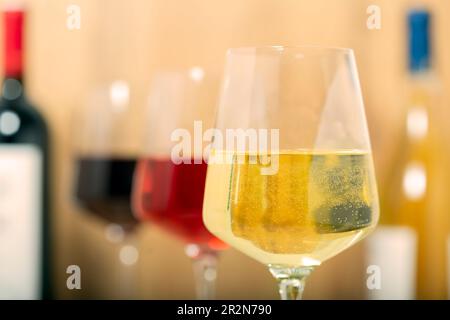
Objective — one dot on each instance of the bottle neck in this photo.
(419, 103)
(419, 46)
(419, 75)
(423, 77)
(12, 87)
(17, 78)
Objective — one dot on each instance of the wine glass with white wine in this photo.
(290, 177)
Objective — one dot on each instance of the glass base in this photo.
(291, 281)
(205, 270)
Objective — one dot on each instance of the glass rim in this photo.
(270, 49)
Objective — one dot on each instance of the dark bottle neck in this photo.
(19, 79)
(12, 88)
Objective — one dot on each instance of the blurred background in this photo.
(132, 40)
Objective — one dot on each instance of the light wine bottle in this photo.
(409, 244)
(24, 205)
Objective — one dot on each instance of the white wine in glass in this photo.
(322, 197)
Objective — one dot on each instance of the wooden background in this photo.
(130, 40)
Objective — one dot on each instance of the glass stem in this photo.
(205, 272)
(128, 277)
(291, 281)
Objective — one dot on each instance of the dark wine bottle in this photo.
(24, 178)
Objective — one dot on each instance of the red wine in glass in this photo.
(171, 196)
(104, 186)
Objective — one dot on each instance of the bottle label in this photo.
(393, 250)
(20, 221)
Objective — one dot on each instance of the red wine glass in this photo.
(170, 179)
(105, 163)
